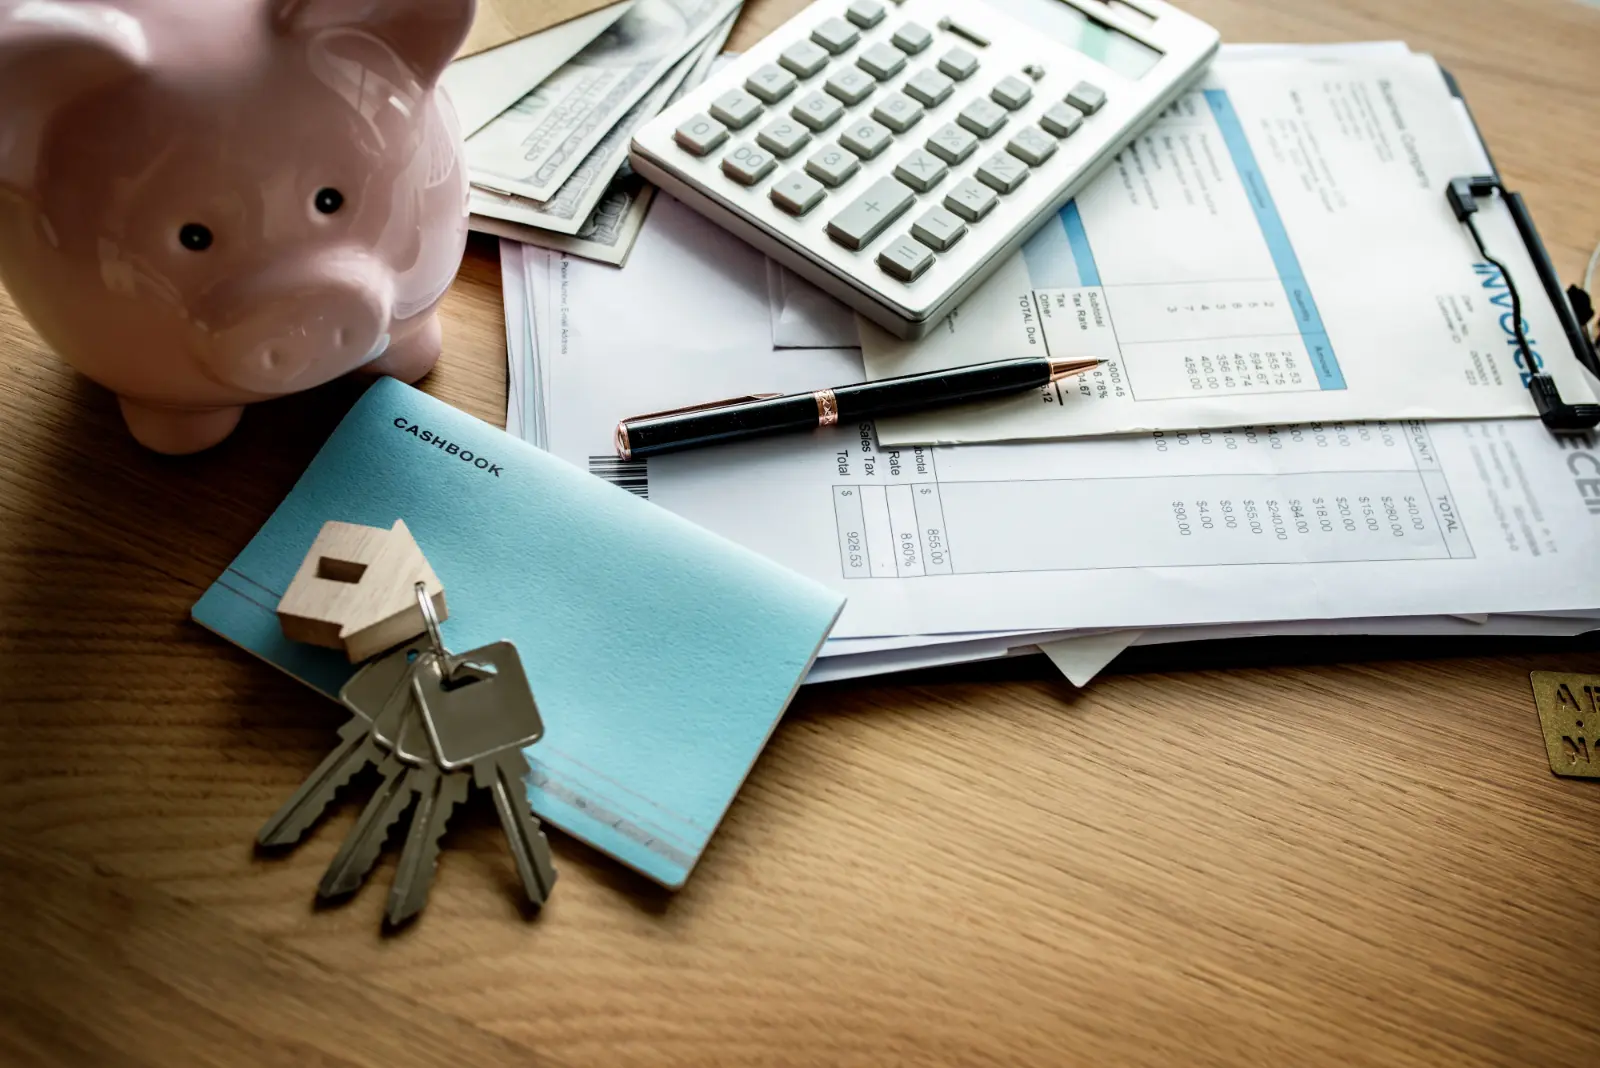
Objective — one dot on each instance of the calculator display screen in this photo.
(1082, 32)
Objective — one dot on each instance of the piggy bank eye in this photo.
(195, 238)
(329, 201)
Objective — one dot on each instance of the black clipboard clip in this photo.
(1556, 414)
(1463, 193)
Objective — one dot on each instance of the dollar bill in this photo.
(607, 236)
(533, 148)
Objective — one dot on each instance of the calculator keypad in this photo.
(869, 85)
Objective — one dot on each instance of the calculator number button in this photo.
(898, 112)
(771, 83)
(817, 111)
(866, 139)
(959, 64)
(938, 229)
(1002, 172)
(736, 108)
(1087, 97)
(921, 170)
(783, 138)
(1031, 145)
(881, 61)
(912, 38)
(864, 219)
(833, 166)
(982, 117)
(836, 35)
(701, 134)
(747, 164)
(803, 59)
(1062, 120)
(906, 259)
(971, 200)
(1012, 93)
(929, 87)
(864, 13)
(849, 84)
(952, 144)
(797, 193)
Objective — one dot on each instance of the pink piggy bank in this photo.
(208, 203)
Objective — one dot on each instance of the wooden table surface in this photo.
(1363, 863)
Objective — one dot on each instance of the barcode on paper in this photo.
(631, 475)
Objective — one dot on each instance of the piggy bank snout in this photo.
(299, 325)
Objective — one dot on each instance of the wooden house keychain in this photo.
(430, 721)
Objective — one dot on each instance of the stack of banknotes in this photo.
(551, 169)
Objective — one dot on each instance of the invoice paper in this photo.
(1333, 520)
(1276, 248)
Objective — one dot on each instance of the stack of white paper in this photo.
(950, 554)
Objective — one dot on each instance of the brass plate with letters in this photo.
(1569, 712)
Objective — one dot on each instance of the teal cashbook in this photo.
(661, 655)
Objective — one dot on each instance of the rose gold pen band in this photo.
(827, 408)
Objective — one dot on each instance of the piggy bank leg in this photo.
(178, 431)
(412, 358)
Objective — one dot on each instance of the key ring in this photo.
(430, 619)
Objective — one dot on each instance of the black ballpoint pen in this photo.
(750, 417)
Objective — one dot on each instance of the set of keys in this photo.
(433, 724)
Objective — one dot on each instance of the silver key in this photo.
(803, 59)
(438, 794)
(983, 117)
(866, 138)
(736, 109)
(797, 193)
(770, 83)
(898, 112)
(1011, 93)
(701, 134)
(1062, 120)
(359, 852)
(912, 38)
(938, 229)
(365, 695)
(783, 138)
(864, 13)
(1031, 145)
(1002, 172)
(905, 259)
(971, 200)
(864, 219)
(850, 84)
(959, 64)
(836, 35)
(485, 725)
(929, 87)
(747, 164)
(356, 750)
(1087, 97)
(952, 144)
(921, 170)
(882, 61)
(833, 166)
(817, 111)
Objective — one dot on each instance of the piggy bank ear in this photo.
(52, 53)
(426, 34)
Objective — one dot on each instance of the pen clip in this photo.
(622, 428)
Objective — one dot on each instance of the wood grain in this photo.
(1361, 863)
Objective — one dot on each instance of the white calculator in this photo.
(894, 152)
